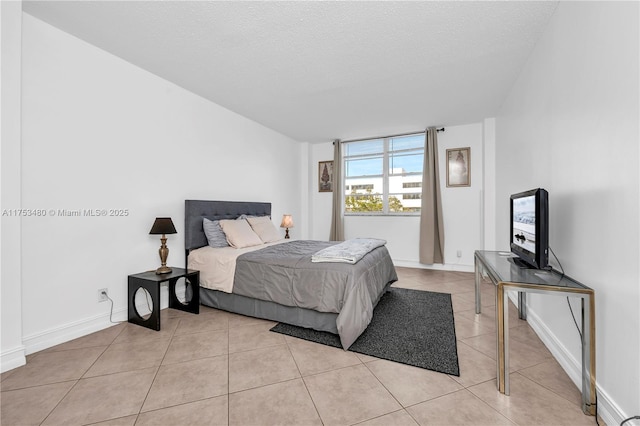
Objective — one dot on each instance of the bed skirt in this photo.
(322, 321)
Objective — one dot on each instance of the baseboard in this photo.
(608, 410)
(64, 333)
(457, 267)
(13, 358)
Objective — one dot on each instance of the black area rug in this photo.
(409, 326)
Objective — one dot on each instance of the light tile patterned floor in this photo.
(218, 368)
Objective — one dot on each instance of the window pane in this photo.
(373, 146)
(363, 167)
(407, 142)
(406, 163)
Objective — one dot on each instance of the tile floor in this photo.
(218, 368)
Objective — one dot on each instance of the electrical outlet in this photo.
(102, 295)
(459, 253)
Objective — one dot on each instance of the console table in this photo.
(506, 275)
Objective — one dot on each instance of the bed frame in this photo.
(195, 211)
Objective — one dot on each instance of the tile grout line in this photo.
(304, 383)
(78, 380)
(155, 376)
(487, 404)
(402, 407)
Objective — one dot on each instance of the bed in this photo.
(279, 282)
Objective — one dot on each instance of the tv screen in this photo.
(529, 227)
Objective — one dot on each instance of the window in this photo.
(364, 187)
(412, 184)
(384, 176)
(411, 196)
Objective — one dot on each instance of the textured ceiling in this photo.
(316, 71)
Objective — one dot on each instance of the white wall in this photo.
(570, 125)
(462, 208)
(302, 223)
(319, 202)
(12, 353)
(100, 133)
(489, 186)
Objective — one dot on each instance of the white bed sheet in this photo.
(217, 266)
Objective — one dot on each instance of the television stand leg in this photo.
(522, 305)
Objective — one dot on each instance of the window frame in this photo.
(385, 176)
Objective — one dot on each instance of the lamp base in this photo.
(164, 253)
(163, 270)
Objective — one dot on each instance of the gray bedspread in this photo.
(284, 274)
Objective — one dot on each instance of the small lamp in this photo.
(287, 222)
(162, 226)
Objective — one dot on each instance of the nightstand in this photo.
(151, 282)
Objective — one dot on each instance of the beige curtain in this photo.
(337, 217)
(431, 223)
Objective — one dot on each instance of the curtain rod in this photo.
(390, 136)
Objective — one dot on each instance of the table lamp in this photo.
(163, 226)
(287, 222)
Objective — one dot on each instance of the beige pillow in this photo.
(239, 233)
(265, 229)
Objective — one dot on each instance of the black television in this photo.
(530, 228)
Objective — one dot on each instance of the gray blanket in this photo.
(284, 274)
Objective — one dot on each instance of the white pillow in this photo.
(239, 233)
(265, 229)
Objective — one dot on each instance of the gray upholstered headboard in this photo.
(196, 210)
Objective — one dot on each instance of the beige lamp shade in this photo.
(287, 221)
